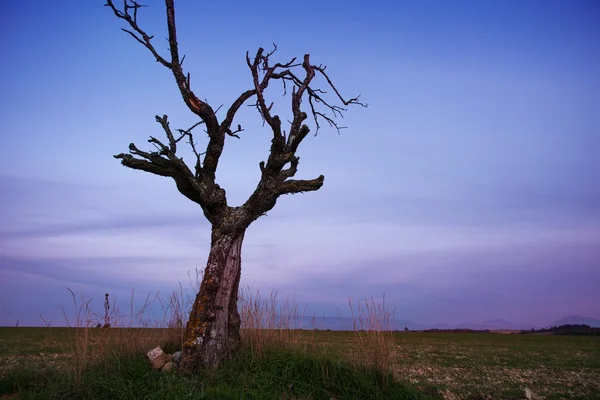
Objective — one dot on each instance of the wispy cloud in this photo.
(469, 187)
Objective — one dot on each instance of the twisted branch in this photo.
(282, 162)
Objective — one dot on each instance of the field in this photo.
(554, 367)
(465, 364)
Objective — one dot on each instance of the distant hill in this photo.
(348, 324)
(494, 324)
(491, 324)
(577, 320)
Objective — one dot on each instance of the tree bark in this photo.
(213, 330)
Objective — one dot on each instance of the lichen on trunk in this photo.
(213, 329)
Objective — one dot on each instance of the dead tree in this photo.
(213, 329)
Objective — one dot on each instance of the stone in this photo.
(159, 361)
(177, 356)
(530, 395)
(169, 367)
(155, 352)
(157, 357)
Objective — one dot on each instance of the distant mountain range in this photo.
(345, 324)
(494, 324)
(577, 320)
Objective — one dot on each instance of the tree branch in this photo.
(165, 162)
(197, 106)
(291, 171)
(274, 178)
(200, 186)
(188, 133)
(154, 167)
(145, 39)
(293, 186)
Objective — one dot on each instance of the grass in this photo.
(276, 362)
(316, 365)
(277, 374)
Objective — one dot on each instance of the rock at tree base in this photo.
(177, 356)
(168, 367)
(157, 357)
(159, 361)
(162, 361)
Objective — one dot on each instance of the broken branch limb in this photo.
(145, 39)
(293, 186)
(197, 106)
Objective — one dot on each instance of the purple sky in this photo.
(468, 190)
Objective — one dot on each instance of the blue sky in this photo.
(468, 190)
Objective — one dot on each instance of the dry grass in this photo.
(373, 337)
(93, 337)
(503, 365)
(267, 323)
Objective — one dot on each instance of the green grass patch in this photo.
(275, 375)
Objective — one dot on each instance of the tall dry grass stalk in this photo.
(175, 315)
(266, 323)
(269, 323)
(374, 343)
(80, 338)
(91, 339)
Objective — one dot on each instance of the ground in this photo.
(555, 367)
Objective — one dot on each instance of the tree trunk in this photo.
(213, 329)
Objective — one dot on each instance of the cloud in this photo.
(519, 282)
(427, 251)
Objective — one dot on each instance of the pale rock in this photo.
(168, 367)
(155, 352)
(157, 357)
(530, 395)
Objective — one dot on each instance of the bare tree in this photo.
(214, 323)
